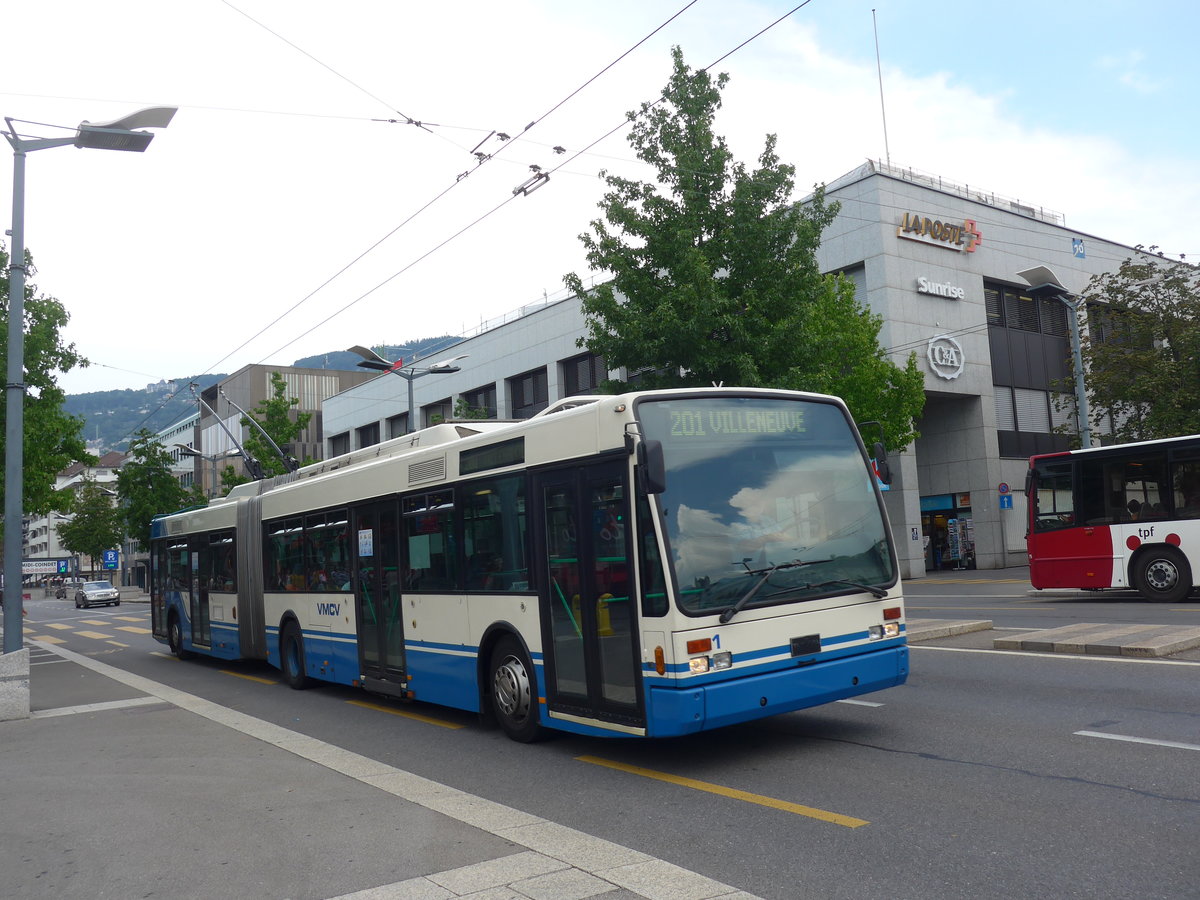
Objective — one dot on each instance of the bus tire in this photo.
(291, 657)
(512, 686)
(1162, 573)
(175, 637)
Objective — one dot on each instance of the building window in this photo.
(1020, 311)
(481, 399)
(339, 444)
(368, 435)
(583, 374)
(995, 307)
(528, 393)
(1033, 410)
(1054, 316)
(436, 413)
(1006, 418)
(397, 426)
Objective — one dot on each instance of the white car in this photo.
(97, 592)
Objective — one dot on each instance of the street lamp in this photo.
(1045, 283)
(214, 459)
(410, 373)
(118, 134)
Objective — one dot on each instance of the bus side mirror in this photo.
(882, 469)
(652, 470)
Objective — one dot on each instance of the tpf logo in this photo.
(945, 357)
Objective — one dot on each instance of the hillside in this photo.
(110, 418)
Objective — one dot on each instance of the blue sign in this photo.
(111, 558)
(1077, 248)
(1006, 501)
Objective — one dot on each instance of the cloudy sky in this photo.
(291, 209)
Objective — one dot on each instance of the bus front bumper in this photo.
(686, 710)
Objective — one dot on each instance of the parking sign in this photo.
(111, 558)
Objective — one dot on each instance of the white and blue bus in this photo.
(655, 563)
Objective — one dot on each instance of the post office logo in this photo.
(964, 236)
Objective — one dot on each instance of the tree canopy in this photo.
(147, 487)
(714, 277)
(52, 437)
(275, 416)
(95, 524)
(1142, 351)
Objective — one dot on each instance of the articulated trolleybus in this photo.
(1125, 516)
(654, 564)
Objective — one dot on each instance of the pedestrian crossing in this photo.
(92, 629)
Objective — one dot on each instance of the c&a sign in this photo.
(963, 236)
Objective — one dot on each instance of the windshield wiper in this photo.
(878, 593)
(732, 611)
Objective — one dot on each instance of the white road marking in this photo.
(1073, 657)
(1139, 740)
(93, 707)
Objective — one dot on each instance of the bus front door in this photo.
(589, 633)
(377, 598)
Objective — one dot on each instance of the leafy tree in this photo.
(275, 416)
(714, 272)
(1142, 353)
(52, 437)
(96, 524)
(464, 410)
(147, 487)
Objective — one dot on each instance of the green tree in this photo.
(147, 487)
(714, 277)
(1142, 353)
(275, 415)
(95, 525)
(52, 437)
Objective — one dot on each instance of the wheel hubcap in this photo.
(511, 687)
(1161, 575)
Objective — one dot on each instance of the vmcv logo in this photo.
(329, 609)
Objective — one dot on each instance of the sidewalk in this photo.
(119, 786)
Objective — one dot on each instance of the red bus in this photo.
(1125, 516)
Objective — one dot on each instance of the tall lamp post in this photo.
(410, 373)
(1045, 283)
(118, 134)
(185, 450)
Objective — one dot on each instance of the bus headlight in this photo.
(698, 664)
(722, 660)
(886, 630)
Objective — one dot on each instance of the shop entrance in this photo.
(948, 532)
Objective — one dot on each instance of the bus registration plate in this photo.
(804, 646)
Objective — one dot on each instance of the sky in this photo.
(295, 207)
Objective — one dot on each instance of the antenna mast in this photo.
(882, 108)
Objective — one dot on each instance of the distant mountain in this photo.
(110, 418)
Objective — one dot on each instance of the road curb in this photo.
(918, 630)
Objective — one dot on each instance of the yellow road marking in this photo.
(96, 635)
(95, 621)
(47, 639)
(133, 629)
(131, 618)
(59, 625)
(783, 805)
(119, 644)
(254, 678)
(429, 720)
(164, 655)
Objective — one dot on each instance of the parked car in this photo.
(67, 589)
(97, 592)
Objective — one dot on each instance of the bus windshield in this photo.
(766, 494)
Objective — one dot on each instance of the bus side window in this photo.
(1185, 487)
(1054, 508)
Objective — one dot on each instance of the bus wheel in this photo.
(291, 652)
(513, 691)
(1162, 573)
(175, 638)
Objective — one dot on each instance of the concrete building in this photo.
(247, 387)
(941, 263)
(41, 532)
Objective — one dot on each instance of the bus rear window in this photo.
(1053, 504)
